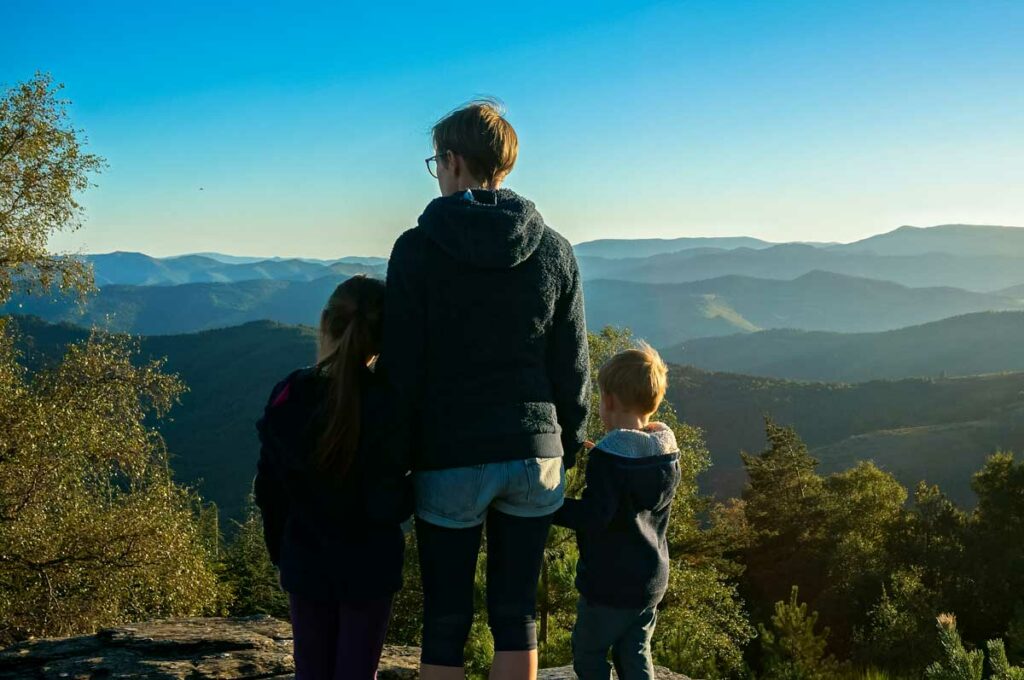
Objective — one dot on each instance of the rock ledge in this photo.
(193, 649)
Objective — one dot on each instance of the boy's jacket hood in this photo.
(647, 463)
(495, 230)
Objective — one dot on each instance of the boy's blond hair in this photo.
(480, 134)
(636, 377)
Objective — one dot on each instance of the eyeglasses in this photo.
(432, 163)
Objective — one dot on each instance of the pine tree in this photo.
(958, 663)
(1001, 668)
(251, 575)
(792, 649)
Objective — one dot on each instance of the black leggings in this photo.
(515, 553)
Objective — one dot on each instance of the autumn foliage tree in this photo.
(93, 530)
(42, 168)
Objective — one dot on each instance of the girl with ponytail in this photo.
(331, 515)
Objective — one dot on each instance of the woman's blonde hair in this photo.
(480, 134)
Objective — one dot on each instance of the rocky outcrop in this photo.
(193, 649)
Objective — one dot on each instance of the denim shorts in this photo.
(457, 498)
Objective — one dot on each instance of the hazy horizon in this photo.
(334, 256)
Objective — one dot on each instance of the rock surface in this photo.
(196, 649)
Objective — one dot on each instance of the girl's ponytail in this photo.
(352, 320)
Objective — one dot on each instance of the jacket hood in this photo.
(648, 463)
(493, 229)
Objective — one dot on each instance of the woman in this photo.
(485, 350)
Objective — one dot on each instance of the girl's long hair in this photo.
(352, 319)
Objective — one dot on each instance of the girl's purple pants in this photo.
(335, 640)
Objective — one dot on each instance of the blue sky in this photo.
(306, 123)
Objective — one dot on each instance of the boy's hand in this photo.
(589, 445)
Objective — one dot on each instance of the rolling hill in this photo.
(666, 313)
(985, 342)
(935, 429)
(211, 434)
(788, 261)
(939, 430)
(187, 308)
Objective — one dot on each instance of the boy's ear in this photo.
(609, 401)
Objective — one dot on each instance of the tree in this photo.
(249, 573)
(898, 634)
(1001, 668)
(957, 662)
(42, 166)
(995, 531)
(785, 508)
(863, 506)
(93, 530)
(791, 647)
(702, 626)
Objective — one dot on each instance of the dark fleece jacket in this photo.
(333, 539)
(485, 342)
(621, 521)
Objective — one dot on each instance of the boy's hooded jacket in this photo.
(332, 539)
(621, 520)
(485, 340)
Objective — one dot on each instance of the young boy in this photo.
(621, 521)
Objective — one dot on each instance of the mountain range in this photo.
(972, 272)
(614, 248)
(664, 314)
(952, 239)
(137, 269)
(975, 257)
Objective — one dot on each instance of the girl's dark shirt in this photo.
(333, 538)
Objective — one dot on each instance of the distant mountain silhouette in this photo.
(245, 259)
(952, 239)
(187, 308)
(986, 342)
(975, 272)
(1015, 292)
(645, 247)
(137, 269)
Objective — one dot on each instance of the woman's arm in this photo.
(569, 364)
(404, 348)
